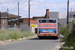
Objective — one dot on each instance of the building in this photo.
(61, 16)
(8, 19)
(24, 20)
(72, 16)
(34, 22)
(38, 17)
(3, 20)
(49, 15)
(13, 19)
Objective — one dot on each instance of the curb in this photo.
(58, 46)
(13, 40)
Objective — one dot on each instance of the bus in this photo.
(47, 28)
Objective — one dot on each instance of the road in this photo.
(32, 44)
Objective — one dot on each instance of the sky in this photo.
(37, 7)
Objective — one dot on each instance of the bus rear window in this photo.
(47, 21)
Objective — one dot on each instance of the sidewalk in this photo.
(13, 40)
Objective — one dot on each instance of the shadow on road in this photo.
(51, 38)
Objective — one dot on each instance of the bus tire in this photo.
(40, 37)
(57, 37)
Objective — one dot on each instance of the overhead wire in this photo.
(13, 7)
(23, 2)
(14, 10)
(50, 2)
(23, 6)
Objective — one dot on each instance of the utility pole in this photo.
(29, 16)
(8, 19)
(7, 13)
(67, 12)
(0, 19)
(71, 9)
(18, 14)
(29, 11)
(71, 14)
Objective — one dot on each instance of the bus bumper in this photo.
(47, 34)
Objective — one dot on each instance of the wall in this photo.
(33, 28)
(4, 25)
(24, 27)
(63, 21)
(62, 16)
(26, 20)
(53, 15)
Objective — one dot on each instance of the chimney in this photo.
(47, 13)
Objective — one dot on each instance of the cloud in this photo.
(38, 8)
(2, 1)
(72, 5)
(41, 0)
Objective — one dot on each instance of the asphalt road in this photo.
(32, 44)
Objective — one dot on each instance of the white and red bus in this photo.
(47, 28)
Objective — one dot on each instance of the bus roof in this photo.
(48, 19)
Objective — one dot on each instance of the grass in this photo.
(65, 32)
(13, 34)
(69, 37)
(70, 42)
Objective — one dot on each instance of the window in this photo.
(74, 16)
(4, 21)
(35, 30)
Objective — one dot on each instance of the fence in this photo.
(13, 32)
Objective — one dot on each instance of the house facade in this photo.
(13, 19)
(7, 19)
(3, 20)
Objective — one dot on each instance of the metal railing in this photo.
(13, 32)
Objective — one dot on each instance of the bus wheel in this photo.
(57, 37)
(39, 37)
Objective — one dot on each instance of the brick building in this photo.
(7, 19)
(34, 20)
(23, 20)
(3, 20)
(13, 19)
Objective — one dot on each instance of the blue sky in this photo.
(38, 7)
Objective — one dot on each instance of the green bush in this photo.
(69, 38)
(65, 32)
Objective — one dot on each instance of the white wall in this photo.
(62, 15)
(33, 28)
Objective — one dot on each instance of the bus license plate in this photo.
(47, 35)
